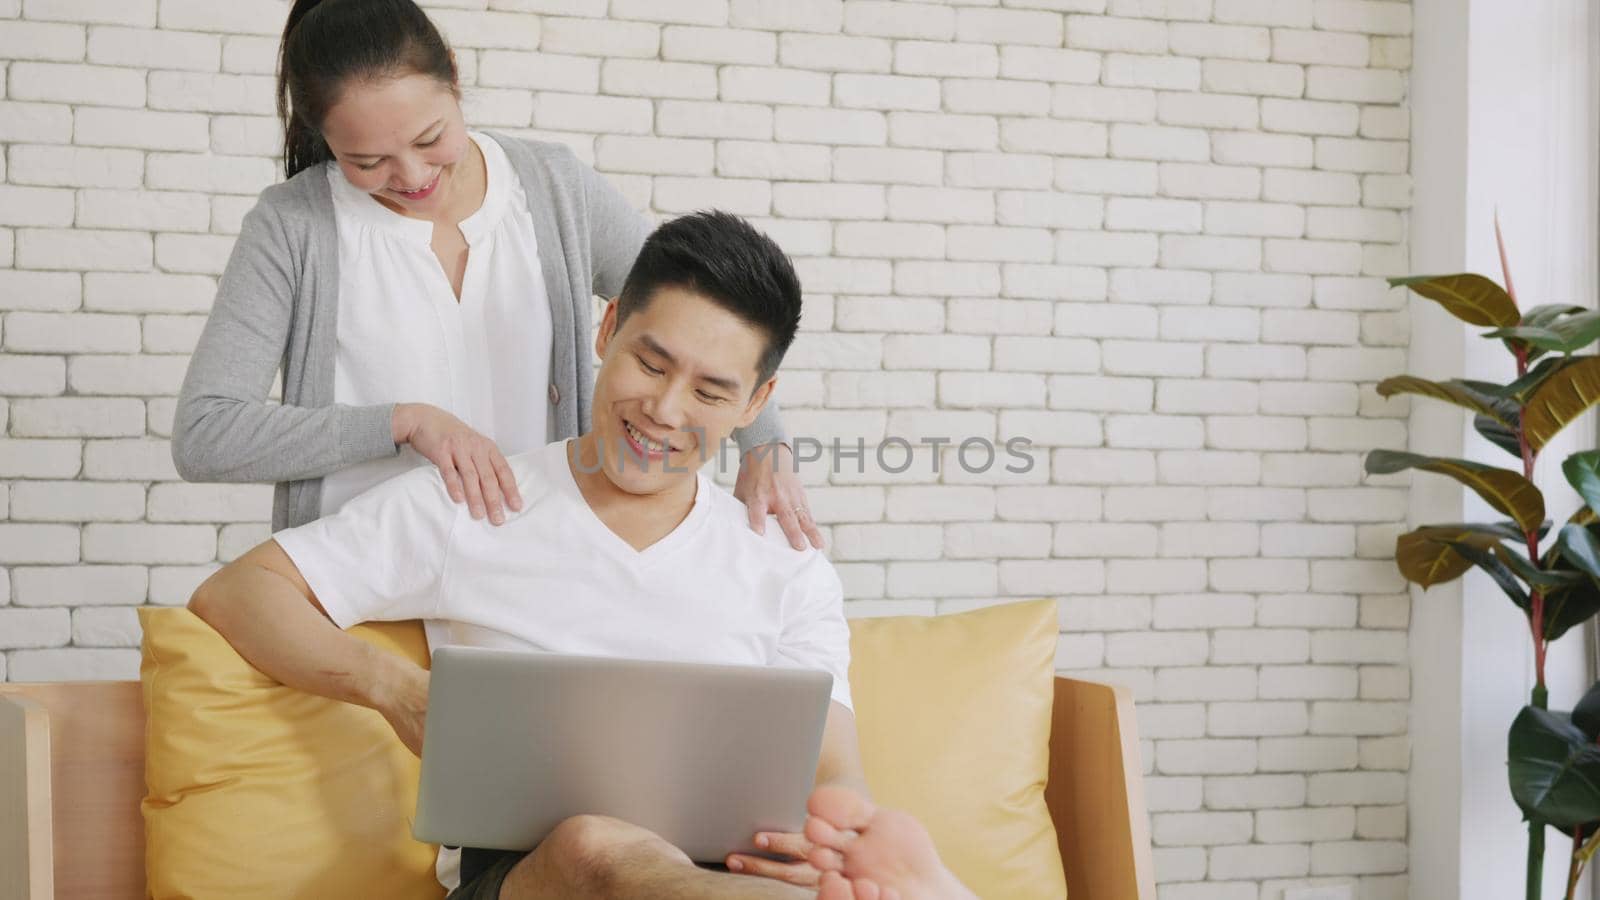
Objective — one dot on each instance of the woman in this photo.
(425, 290)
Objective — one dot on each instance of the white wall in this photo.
(1148, 234)
(1505, 118)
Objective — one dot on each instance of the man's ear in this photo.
(607, 330)
(758, 402)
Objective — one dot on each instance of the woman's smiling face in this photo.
(401, 140)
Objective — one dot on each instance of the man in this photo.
(622, 548)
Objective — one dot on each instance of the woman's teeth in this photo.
(637, 435)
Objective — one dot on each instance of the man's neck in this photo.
(639, 519)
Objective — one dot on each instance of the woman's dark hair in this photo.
(327, 42)
(726, 260)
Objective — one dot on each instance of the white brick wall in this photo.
(1148, 235)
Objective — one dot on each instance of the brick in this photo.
(74, 664)
(952, 60)
(154, 49)
(1156, 577)
(896, 20)
(1108, 176)
(1254, 149)
(1166, 794)
(1165, 73)
(700, 12)
(1261, 645)
(888, 314)
(33, 628)
(650, 78)
(998, 97)
(1259, 575)
(1104, 539)
(1154, 504)
(41, 123)
(940, 131)
(1049, 64)
(949, 279)
(41, 41)
(890, 240)
(40, 207)
(43, 544)
(1211, 41)
(1111, 467)
(1358, 788)
(1021, 578)
(830, 126)
(211, 93)
(75, 166)
(1304, 682)
(1107, 104)
(1033, 503)
(79, 585)
(1379, 822)
(1154, 431)
(21, 458)
(1290, 13)
(1256, 719)
(1208, 182)
(76, 83)
(738, 196)
(835, 53)
(1201, 829)
(888, 542)
(996, 541)
(888, 165)
(149, 543)
(76, 501)
(1207, 396)
(1203, 757)
(1352, 84)
(788, 15)
(1255, 504)
(1308, 611)
(257, 54)
(106, 627)
(1259, 861)
(1227, 76)
(1008, 26)
(942, 579)
(133, 12)
(1189, 539)
(1204, 610)
(1116, 34)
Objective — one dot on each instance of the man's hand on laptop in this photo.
(401, 695)
(794, 846)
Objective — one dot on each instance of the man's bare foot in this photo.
(865, 853)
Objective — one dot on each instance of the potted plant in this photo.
(1551, 574)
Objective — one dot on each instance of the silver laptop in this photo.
(703, 755)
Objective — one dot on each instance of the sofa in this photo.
(73, 778)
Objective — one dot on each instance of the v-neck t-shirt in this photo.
(555, 578)
(403, 337)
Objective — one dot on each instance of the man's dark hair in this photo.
(726, 260)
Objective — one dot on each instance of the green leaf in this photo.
(1560, 336)
(1427, 556)
(1553, 768)
(1473, 299)
(1499, 435)
(1560, 399)
(1546, 313)
(1544, 580)
(1520, 390)
(1586, 715)
(1503, 489)
(1566, 608)
(1465, 394)
(1583, 473)
(1495, 569)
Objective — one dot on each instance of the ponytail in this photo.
(327, 42)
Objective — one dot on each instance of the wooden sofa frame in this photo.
(72, 776)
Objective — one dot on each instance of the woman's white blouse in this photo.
(404, 338)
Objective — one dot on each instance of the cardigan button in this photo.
(555, 396)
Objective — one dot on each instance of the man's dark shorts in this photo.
(484, 871)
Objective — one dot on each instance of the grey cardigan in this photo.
(277, 305)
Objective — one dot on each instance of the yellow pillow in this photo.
(256, 790)
(954, 716)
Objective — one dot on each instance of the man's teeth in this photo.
(644, 442)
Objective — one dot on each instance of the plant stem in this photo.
(1529, 457)
(1576, 866)
(1540, 699)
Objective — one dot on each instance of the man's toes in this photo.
(821, 832)
(824, 860)
(843, 808)
(834, 886)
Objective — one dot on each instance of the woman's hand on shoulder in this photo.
(475, 471)
(769, 484)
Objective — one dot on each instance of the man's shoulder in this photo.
(771, 548)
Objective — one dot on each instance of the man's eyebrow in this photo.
(728, 384)
(380, 155)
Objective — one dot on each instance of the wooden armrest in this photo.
(1096, 793)
(26, 860)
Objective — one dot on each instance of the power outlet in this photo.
(1321, 892)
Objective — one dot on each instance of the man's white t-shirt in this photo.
(555, 578)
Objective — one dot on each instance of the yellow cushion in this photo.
(261, 791)
(954, 716)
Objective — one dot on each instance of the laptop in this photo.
(703, 755)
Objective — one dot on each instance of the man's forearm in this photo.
(278, 630)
